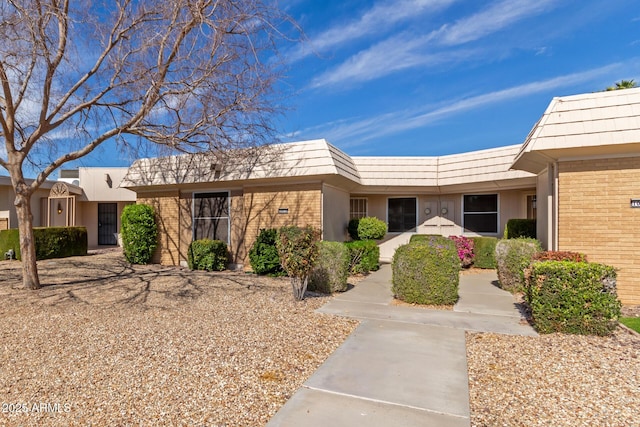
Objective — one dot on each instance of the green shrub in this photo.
(367, 228)
(352, 228)
(139, 233)
(484, 252)
(426, 272)
(371, 228)
(263, 255)
(513, 256)
(364, 256)
(298, 252)
(207, 254)
(331, 271)
(573, 297)
(428, 238)
(50, 242)
(520, 228)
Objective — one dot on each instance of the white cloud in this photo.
(350, 134)
(494, 18)
(380, 17)
(408, 51)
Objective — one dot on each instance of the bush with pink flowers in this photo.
(464, 246)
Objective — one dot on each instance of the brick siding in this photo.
(595, 216)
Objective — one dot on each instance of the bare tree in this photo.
(192, 75)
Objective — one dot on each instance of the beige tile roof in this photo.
(583, 125)
(318, 158)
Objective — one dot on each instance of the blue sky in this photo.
(434, 77)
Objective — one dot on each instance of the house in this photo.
(89, 197)
(313, 182)
(577, 173)
(585, 152)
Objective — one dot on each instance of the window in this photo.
(211, 216)
(401, 214)
(357, 208)
(531, 206)
(480, 213)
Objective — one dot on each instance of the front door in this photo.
(107, 223)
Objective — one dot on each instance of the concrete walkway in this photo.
(403, 365)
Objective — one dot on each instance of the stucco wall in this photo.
(335, 213)
(595, 216)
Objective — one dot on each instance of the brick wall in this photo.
(167, 207)
(595, 217)
(251, 210)
(261, 206)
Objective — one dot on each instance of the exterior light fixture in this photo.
(427, 211)
(444, 211)
(59, 208)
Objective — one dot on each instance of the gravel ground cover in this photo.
(554, 380)
(106, 343)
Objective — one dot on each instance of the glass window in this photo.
(211, 216)
(357, 208)
(402, 214)
(480, 213)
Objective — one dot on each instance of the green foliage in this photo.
(298, 252)
(263, 255)
(426, 272)
(139, 233)
(513, 256)
(352, 228)
(573, 297)
(517, 228)
(10, 239)
(367, 228)
(631, 322)
(371, 228)
(331, 271)
(50, 242)
(484, 252)
(428, 238)
(207, 254)
(364, 256)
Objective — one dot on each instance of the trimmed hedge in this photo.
(513, 256)
(426, 272)
(367, 228)
(364, 256)
(484, 252)
(50, 242)
(560, 256)
(139, 233)
(207, 254)
(436, 238)
(573, 297)
(520, 228)
(263, 255)
(331, 271)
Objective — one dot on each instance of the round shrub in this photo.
(207, 254)
(513, 256)
(263, 255)
(426, 272)
(331, 271)
(371, 228)
(139, 233)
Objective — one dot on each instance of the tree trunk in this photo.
(30, 278)
(299, 285)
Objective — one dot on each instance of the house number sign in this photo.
(635, 203)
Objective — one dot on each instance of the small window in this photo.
(401, 214)
(211, 216)
(357, 208)
(480, 213)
